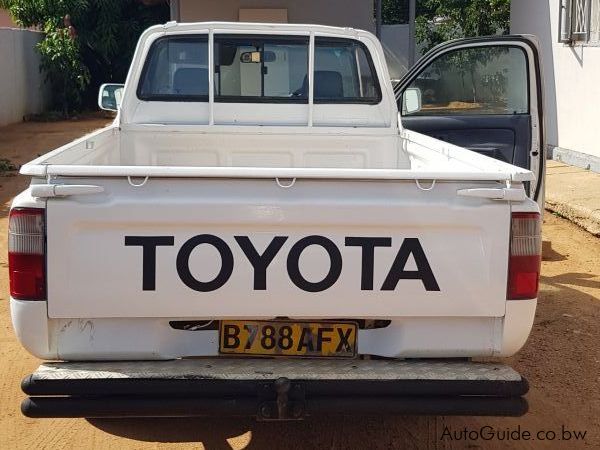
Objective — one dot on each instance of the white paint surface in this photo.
(97, 309)
(572, 74)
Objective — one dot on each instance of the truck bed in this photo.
(283, 152)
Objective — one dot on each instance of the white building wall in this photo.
(344, 13)
(22, 89)
(572, 83)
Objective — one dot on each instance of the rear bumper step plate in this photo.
(272, 389)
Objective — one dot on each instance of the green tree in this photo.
(394, 11)
(87, 42)
(61, 62)
(442, 20)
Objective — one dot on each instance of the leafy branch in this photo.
(441, 20)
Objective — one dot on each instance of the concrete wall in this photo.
(5, 19)
(345, 13)
(22, 89)
(572, 82)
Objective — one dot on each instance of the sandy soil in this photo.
(561, 361)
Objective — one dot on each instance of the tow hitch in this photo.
(289, 403)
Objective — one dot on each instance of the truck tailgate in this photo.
(232, 248)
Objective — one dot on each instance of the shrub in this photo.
(61, 62)
(93, 46)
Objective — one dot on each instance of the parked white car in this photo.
(267, 228)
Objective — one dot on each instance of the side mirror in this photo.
(110, 96)
(411, 101)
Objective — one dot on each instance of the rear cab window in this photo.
(176, 69)
(259, 69)
(344, 73)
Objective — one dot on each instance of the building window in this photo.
(595, 21)
(580, 21)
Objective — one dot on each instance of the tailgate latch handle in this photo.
(64, 190)
(506, 194)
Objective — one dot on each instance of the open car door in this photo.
(484, 94)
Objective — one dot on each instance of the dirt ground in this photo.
(561, 361)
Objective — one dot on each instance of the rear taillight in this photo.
(525, 256)
(26, 254)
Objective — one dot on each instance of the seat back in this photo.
(191, 81)
(328, 84)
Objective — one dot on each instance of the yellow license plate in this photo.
(283, 338)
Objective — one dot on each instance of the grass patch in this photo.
(557, 214)
(6, 167)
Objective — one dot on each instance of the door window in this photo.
(476, 80)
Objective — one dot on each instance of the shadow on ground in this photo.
(317, 432)
(549, 254)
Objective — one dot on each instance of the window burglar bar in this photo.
(580, 21)
(595, 21)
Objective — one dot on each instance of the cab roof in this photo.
(253, 27)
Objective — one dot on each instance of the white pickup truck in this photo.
(270, 228)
